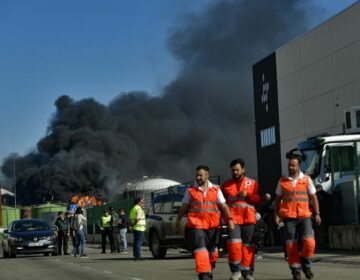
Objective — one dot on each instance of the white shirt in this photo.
(311, 187)
(220, 197)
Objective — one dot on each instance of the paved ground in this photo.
(177, 266)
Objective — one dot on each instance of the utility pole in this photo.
(14, 181)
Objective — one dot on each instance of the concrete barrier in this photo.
(345, 237)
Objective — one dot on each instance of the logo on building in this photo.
(265, 93)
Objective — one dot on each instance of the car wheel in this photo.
(11, 253)
(54, 253)
(46, 254)
(157, 251)
(5, 253)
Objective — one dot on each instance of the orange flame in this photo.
(86, 201)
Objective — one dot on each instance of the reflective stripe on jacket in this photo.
(242, 209)
(105, 221)
(141, 224)
(295, 199)
(203, 209)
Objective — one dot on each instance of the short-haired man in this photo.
(203, 200)
(292, 207)
(241, 193)
(138, 226)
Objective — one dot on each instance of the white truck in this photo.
(333, 162)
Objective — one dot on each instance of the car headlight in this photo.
(14, 238)
(52, 237)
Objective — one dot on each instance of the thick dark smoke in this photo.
(205, 116)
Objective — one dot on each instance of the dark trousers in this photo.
(138, 240)
(63, 241)
(106, 232)
(116, 238)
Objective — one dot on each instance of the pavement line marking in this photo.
(108, 272)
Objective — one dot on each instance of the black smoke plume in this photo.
(205, 116)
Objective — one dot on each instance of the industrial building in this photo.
(306, 88)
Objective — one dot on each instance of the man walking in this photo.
(292, 207)
(241, 193)
(138, 226)
(203, 201)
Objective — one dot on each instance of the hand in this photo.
(231, 225)
(277, 220)
(318, 219)
(243, 194)
(177, 227)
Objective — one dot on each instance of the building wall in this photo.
(318, 78)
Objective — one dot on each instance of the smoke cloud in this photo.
(205, 116)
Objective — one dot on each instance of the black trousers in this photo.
(63, 241)
(116, 237)
(106, 232)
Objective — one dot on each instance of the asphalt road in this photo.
(176, 266)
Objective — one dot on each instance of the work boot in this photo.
(307, 271)
(236, 275)
(205, 276)
(246, 274)
(296, 274)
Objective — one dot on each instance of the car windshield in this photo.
(310, 165)
(29, 226)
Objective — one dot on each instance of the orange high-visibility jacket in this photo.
(203, 210)
(242, 209)
(295, 199)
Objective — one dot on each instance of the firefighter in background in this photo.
(202, 201)
(241, 193)
(292, 207)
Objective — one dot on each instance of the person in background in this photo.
(325, 207)
(105, 228)
(138, 226)
(71, 217)
(114, 222)
(78, 224)
(266, 210)
(123, 226)
(63, 232)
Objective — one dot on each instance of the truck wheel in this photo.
(5, 253)
(11, 253)
(157, 251)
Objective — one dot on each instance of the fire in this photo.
(86, 201)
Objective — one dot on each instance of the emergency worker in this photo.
(241, 193)
(292, 207)
(203, 201)
(138, 226)
(105, 227)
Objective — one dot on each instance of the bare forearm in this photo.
(226, 210)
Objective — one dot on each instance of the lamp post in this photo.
(14, 182)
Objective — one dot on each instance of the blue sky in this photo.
(84, 48)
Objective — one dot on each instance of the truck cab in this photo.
(333, 163)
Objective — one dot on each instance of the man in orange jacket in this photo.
(292, 207)
(202, 201)
(241, 193)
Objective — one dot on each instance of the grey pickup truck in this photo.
(161, 219)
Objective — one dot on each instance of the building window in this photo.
(267, 136)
